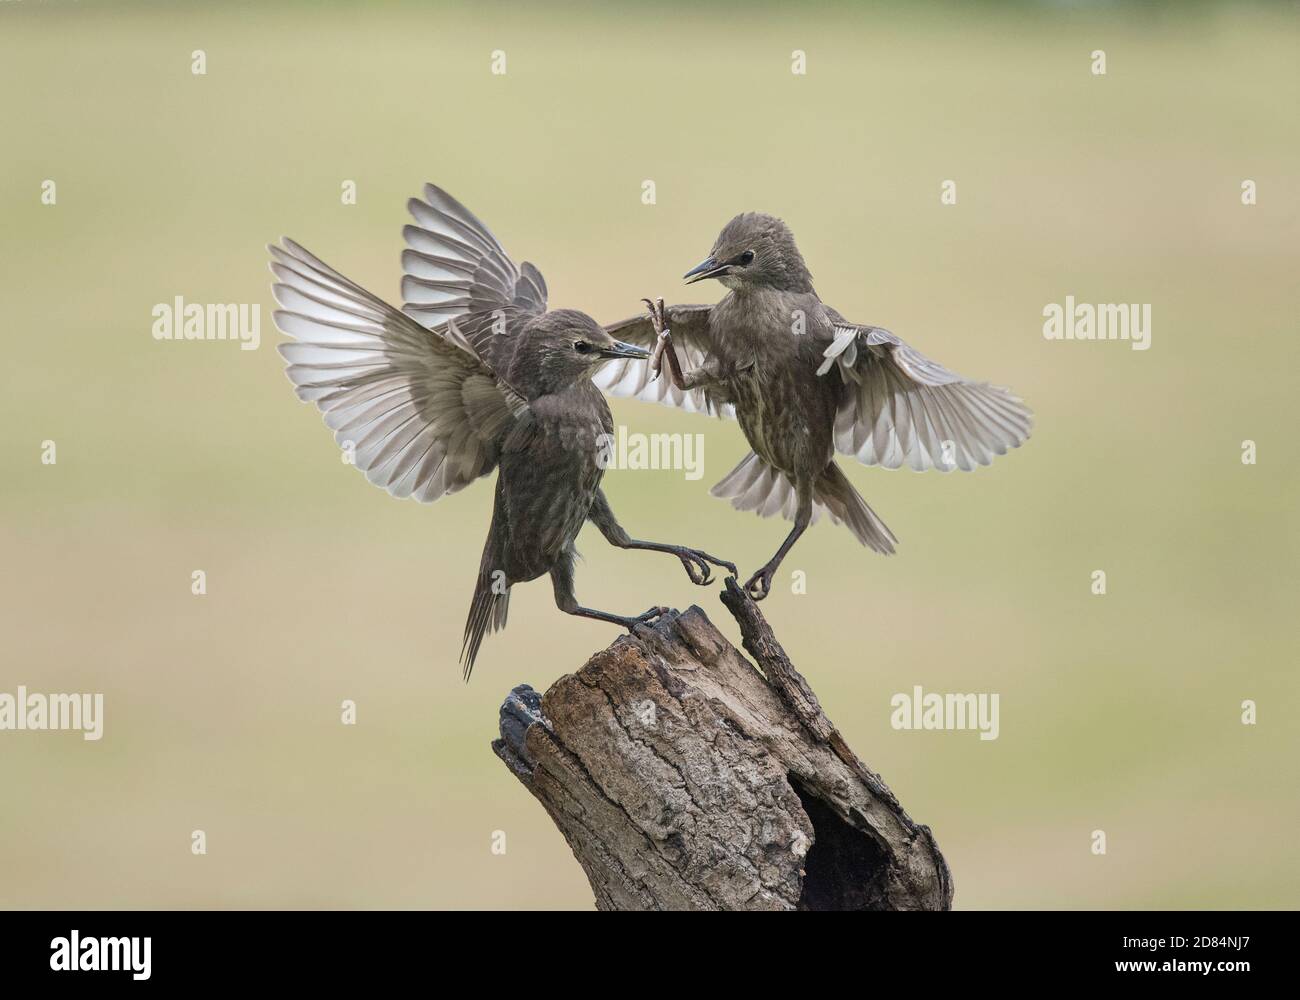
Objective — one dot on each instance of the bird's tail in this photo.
(845, 504)
(755, 485)
(487, 613)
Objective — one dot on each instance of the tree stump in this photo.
(684, 778)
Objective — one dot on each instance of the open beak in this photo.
(707, 268)
(618, 349)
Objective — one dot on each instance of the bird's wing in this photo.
(455, 271)
(423, 414)
(901, 407)
(689, 326)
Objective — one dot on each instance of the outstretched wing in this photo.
(455, 270)
(689, 326)
(899, 406)
(424, 415)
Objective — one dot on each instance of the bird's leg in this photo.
(624, 621)
(696, 561)
(760, 584)
(562, 580)
(664, 345)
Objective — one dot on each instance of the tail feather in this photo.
(845, 504)
(487, 613)
(755, 485)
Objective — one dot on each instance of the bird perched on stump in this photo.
(473, 374)
(805, 383)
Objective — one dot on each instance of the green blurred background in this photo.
(1119, 713)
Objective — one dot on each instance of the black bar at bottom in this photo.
(210, 948)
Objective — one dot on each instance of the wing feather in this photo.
(689, 326)
(424, 415)
(900, 406)
(455, 272)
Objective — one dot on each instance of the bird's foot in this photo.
(760, 584)
(645, 618)
(659, 321)
(697, 566)
(658, 316)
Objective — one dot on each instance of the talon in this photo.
(657, 323)
(717, 562)
(698, 568)
(759, 585)
(648, 616)
(658, 316)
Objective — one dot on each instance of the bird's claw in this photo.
(663, 336)
(697, 565)
(646, 617)
(697, 569)
(658, 316)
(760, 584)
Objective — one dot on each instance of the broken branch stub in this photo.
(682, 777)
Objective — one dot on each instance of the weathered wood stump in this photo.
(683, 778)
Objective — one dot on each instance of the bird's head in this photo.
(562, 347)
(754, 251)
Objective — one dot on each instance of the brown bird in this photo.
(805, 383)
(486, 379)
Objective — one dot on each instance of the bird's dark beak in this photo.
(618, 349)
(707, 268)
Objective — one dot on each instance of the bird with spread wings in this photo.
(473, 374)
(804, 384)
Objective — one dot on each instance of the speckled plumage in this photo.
(805, 383)
(473, 374)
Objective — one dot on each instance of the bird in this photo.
(804, 383)
(472, 374)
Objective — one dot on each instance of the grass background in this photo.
(1118, 713)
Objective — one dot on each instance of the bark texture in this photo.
(685, 778)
